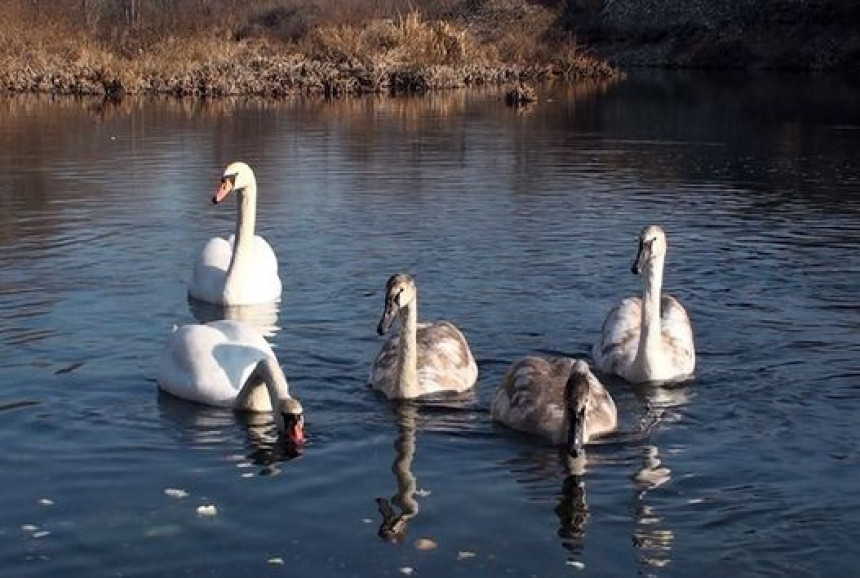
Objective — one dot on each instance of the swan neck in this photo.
(650, 337)
(245, 222)
(407, 352)
(276, 384)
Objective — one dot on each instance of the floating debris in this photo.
(695, 500)
(247, 474)
(46, 502)
(422, 493)
(40, 534)
(275, 561)
(175, 493)
(465, 555)
(367, 520)
(207, 510)
(29, 527)
(576, 564)
(408, 570)
(425, 544)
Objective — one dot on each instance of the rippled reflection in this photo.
(199, 426)
(397, 511)
(651, 535)
(263, 317)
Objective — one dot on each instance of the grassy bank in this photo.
(277, 48)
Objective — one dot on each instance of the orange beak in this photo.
(224, 189)
(297, 434)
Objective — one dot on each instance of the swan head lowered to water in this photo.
(577, 393)
(652, 249)
(290, 419)
(400, 292)
(237, 177)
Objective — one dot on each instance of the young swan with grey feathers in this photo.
(229, 364)
(243, 269)
(557, 398)
(648, 339)
(425, 358)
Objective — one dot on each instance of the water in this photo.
(521, 228)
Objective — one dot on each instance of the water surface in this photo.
(520, 227)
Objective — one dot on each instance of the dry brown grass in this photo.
(272, 47)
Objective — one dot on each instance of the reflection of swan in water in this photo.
(216, 428)
(650, 535)
(262, 316)
(540, 471)
(648, 338)
(393, 527)
(243, 269)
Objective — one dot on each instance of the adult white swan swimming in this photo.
(426, 358)
(648, 339)
(229, 364)
(243, 269)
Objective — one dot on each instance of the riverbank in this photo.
(279, 49)
(807, 35)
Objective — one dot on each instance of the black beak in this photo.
(387, 317)
(576, 433)
(641, 258)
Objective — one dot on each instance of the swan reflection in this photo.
(263, 316)
(201, 426)
(394, 524)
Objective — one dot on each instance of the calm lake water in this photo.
(521, 228)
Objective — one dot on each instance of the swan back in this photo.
(534, 397)
(210, 363)
(444, 362)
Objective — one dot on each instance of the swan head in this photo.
(237, 177)
(652, 246)
(399, 292)
(292, 420)
(577, 395)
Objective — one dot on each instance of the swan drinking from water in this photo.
(648, 339)
(243, 269)
(558, 399)
(229, 364)
(425, 358)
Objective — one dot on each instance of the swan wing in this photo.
(677, 334)
(531, 396)
(619, 337)
(445, 362)
(210, 363)
(210, 270)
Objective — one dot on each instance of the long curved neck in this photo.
(245, 221)
(407, 352)
(650, 351)
(267, 383)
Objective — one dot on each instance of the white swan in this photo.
(558, 399)
(648, 339)
(426, 358)
(243, 269)
(229, 364)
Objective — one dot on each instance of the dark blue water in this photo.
(520, 227)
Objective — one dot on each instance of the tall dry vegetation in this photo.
(214, 47)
